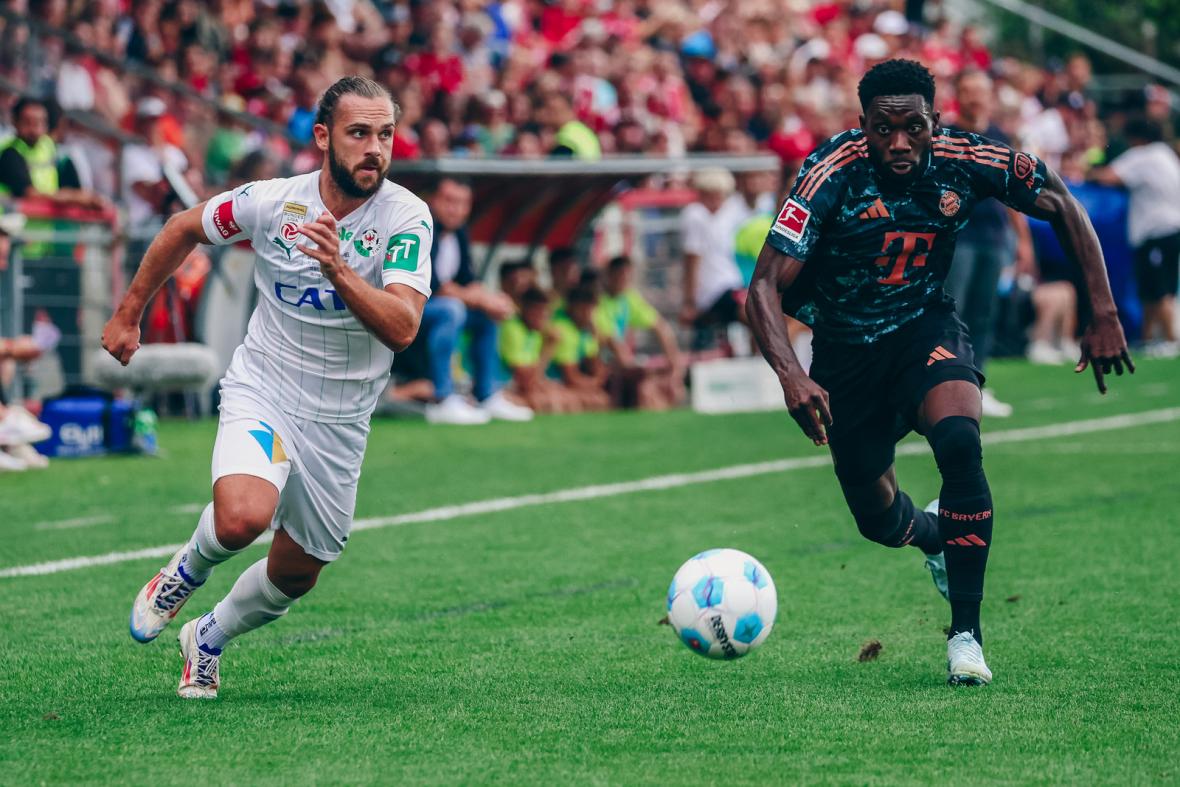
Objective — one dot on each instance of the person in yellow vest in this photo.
(576, 356)
(29, 168)
(29, 164)
(527, 343)
(653, 385)
(571, 137)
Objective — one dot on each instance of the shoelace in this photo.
(173, 590)
(966, 646)
(206, 672)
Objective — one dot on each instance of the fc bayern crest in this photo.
(367, 242)
(950, 203)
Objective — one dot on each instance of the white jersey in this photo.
(304, 350)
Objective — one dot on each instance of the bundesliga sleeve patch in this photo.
(223, 220)
(792, 221)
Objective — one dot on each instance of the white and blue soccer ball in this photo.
(722, 603)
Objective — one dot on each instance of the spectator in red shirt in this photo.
(438, 69)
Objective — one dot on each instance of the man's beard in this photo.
(344, 180)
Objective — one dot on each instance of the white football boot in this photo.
(160, 600)
(964, 661)
(936, 564)
(200, 678)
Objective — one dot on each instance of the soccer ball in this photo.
(722, 603)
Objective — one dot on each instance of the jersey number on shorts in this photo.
(914, 248)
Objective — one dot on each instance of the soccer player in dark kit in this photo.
(860, 251)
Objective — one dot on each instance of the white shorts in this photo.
(315, 467)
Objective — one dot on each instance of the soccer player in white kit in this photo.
(343, 271)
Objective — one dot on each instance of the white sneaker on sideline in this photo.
(16, 429)
(456, 410)
(1071, 350)
(502, 408)
(993, 407)
(160, 599)
(33, 459)
(10, 463)
(964, 661)
(201, 677)
(33, 422)
(1044, 354)
(1162, 350)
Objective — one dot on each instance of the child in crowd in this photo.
(576, 355)
(527, 343)
(658, 382)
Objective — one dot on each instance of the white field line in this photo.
(102, 519)
(70, 524)
(673, 481)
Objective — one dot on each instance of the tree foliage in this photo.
(1128, 23)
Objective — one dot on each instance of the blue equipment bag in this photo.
(88, 425)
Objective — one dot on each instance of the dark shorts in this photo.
(1157, 267)
(723, 311)
(874, 390)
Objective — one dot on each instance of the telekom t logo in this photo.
(910, 249)
(402, 249)
(401, 253)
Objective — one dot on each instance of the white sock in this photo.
(252, 602)
(204, 551)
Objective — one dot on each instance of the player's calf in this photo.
(899, 525)
(964, 517)
(253, 602)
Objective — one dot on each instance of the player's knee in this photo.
(239, 522)
(891, 527)
(956, 444)
(294, 584)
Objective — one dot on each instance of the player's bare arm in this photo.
(392, 314)
(180, 235)
(806, 401)
(1104, 347)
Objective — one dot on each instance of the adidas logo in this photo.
(970, 540)
(876, 211)
(940, 354)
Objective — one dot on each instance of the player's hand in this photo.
(120, 337)
(326, 250)
(807, 403)
(1104, 348)
(688, 315)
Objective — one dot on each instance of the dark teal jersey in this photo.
(876, 258)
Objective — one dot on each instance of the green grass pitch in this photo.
(523, 646)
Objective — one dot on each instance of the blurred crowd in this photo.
(218, 93)
(522, 78)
